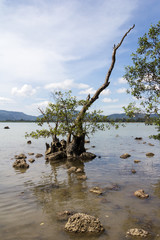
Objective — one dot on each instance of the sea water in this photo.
(30, 200)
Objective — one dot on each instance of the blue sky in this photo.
(49, 45)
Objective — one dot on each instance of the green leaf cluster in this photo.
(144, 75)
(61, 115)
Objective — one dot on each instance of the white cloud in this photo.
(82, 85)
(25, 91)
(37, 40)
(34, 107)
(42, 105)
(122, 80)
(4, 100)
(109, 100)
(113, 108)
(106, 92)
(92, 91)
(46, 42)
(88, 91)
(65, 85)
(121, 90)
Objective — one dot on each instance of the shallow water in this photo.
(30, 200)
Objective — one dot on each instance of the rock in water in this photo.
(30, 153)
(57, 156)
(125, 155)
(63, 216)
(20, 156)
(141, 194)
(20, 163)
(87, 156)
(96, 190)
(38, 155)
(138, 138)
(150, 144)
(137, 161)
(31, 160)
(137, 232)
(149, 154)
(83, 223)
(6, 127)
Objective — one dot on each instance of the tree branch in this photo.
(47, 120)
(90, 101)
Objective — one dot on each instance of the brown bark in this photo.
(76, 147)
(90, 101)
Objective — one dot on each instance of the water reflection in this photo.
(29, 202)
(157, 189)
(60, 191)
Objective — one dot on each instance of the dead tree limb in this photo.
(89, 100)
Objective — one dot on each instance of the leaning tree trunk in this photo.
(76, 147)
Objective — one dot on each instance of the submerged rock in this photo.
(31, 160)
(137, 232)
(30, 154)
(125, 155)
(20, 156)
(96, 190)
(141, 194)
(38, 155)
(56, 156)
(46, 188)
(138, 138)
(63, 216)
(20, 163)
(113, 187)
(83, 223)
(137, 161)
(87, 156)
(150, 144)
(149, 154)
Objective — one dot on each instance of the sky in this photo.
(50, 45)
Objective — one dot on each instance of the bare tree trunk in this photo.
(76, 147)
(68, 139)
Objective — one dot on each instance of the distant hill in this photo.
(20, 116)
(15, 116)
(121, 116)
(118, 116)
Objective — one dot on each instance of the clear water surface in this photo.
(30, 200)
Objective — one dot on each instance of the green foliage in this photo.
(144, 75)
(60, 117)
